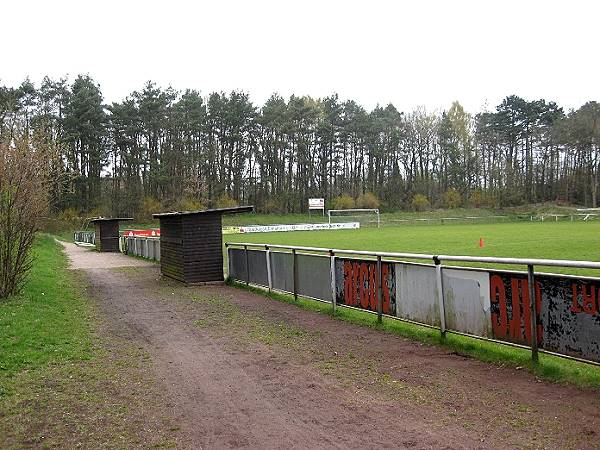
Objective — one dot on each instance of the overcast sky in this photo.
(409, 53)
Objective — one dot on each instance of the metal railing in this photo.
(144, 247)
(444, 220)
(84, 237)
(436, 260)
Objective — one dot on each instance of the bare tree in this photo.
(23, 203)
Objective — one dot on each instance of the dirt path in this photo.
(240, 370)
(85, 258)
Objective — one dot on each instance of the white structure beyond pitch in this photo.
(372, 215)
(316, 203)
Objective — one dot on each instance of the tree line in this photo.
(166, 149)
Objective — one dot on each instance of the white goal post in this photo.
(353, 213)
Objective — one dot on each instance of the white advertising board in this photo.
(316, 203)
(299, 227)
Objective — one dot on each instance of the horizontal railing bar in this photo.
(354, 210)
(334, 250)
(523, 261)
(480, 259)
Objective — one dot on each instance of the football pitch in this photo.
(546, 240)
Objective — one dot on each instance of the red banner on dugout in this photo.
(153, 232)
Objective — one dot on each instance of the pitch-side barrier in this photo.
(84, 238)
(549, 313)
(142, 246)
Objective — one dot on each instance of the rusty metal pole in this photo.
(379, 291)
(533, 314)
(295, 270)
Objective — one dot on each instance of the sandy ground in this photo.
(240, 370)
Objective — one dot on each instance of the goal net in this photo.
(366, 217)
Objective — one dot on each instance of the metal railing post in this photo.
(379, 291)
(269, 273)
(333, 280)
(247, 265)
(440, 289)
(532, 306)
(228, 259)
(295, 271)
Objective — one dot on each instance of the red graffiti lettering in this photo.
(527, 310)
(385, 270)
(364, 285)
(517, 326)
(356, 284)
(360, 285)
(589, 299)
(373, 287)
(515, 321)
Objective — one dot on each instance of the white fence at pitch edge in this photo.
(480, 219)
(144, 247)
(557, 314)
(87, 238)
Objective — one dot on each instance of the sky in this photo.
(413, 53)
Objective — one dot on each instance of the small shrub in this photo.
(420, 203)
(68, 215)
(274, 205)
(225, 201)
(344, 201)
(481, 199)
(190, 204)
(368, 200)
(148, 207)
(451, 199)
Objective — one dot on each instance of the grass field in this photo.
(549, 240)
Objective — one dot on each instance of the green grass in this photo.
(550, 240)
(62, 383)
(551, 368)
(49, 321)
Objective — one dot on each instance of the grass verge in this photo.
(64, 381)
(549, 367)
(49, 322)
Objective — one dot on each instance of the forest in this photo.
(163, 149)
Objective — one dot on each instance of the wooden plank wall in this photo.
(171, 247)
(203, 249)
(107, 236)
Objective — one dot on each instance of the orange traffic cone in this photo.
(481, 244)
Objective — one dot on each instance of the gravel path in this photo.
(87, 258)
